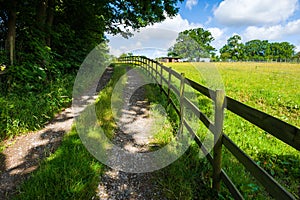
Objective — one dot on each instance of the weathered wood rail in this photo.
(281, 130)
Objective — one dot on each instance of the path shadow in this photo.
(130, 186)
(13, 175)
(24, 156)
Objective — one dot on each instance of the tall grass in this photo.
(187, 177)
(23, 111)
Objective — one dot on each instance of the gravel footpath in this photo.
(133, 135)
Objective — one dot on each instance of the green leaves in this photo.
(193, 44)
(256, 50)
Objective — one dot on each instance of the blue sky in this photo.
(273, 20)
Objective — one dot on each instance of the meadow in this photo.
(270, 87)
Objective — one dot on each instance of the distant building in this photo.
(169, 59)
(204, 60)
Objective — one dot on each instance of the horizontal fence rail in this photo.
(279, 129)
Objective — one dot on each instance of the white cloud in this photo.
(262, 33)
(216, 32)
(158, 36)
(220, 38)
(293, 27)
(209, 19)
(272, 32)
(190, 3)
(177, 24)
(206, 6)
(297, 48)
(254, 12)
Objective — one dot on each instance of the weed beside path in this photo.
(23, 155)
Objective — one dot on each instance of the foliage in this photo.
(256, 50)
(193, 44)
(67, 26)
(233, 49)
(27, 108)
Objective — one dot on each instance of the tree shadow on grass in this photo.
(284, 168)
(65, 174)
(70, 173)
(14, 172)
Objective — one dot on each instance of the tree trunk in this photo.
(49, 21)
(11, 32)
(42, 13)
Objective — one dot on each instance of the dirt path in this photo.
(23, 154)
(134, 135)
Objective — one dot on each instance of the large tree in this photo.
(193, 44)
(283, 51)
(74, 25)
(233, 50)
(257, 50)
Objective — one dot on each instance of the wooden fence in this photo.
(281, 130)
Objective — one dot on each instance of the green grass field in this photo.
(270, 87)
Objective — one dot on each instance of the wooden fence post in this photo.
(169, 84)
(219, 117)
(156, 72)
(152, 69)
(161, 78)
(147, 66)
(181, 92)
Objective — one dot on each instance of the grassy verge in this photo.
(272, 88)
(189, 176)
(23, 111)
(72, 172)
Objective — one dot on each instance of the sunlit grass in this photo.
(271, 88)
(187, 177)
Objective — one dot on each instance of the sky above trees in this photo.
(273, 20)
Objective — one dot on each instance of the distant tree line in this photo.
(194, 44)
(257, 50)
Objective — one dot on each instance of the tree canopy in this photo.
(256, 50)
(73, 26)
(192, 44)
(233, 50)
(46, 38)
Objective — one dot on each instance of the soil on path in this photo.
(23, 154)
(134, 134)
